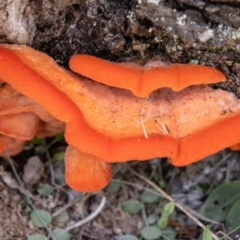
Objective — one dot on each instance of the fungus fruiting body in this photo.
(10, 146)
(86, 172)
(235, 147)
(141, 81)
(21, 119)
(111, 124)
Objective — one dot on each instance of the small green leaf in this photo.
(168, 209)
(149, 197)
(163, 222)
(45, 217)
(132, 206)
(36, 237)
(45, 189)
(28, 209)
(233, 217)
(58, 137)
(207, 234)
(58, 156)
(220, 201)
(63, 217)
(169, 233)
(61, 234)
(151, 219)
(38, 141)
(59, 177)
(126, 237)
(151, 233)
(113, 187)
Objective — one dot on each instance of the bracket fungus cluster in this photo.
(21, 119)
(116, 113)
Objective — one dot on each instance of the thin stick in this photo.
(179, 206)
(89, 217)
(64, 208)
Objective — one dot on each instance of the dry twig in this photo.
(89, 217)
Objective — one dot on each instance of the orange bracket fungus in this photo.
(85, 172)
(235, 147)
(141, 81)
(21, 119)
(106, 123)
(10, 146)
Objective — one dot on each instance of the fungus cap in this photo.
(84, 172)
(141, 81)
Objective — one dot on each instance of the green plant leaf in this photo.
(126, 237)
(28, 209)
(220, 201)
(207, 234)
(38, 141)
(168, 209)
(59, 177)
(63, 217)
(36, 237)
(45, 189)
(132, 206)
(45, 216)
(149, 197)
(233, 217)
(151, 219)
(169, 233)
(58, 137)
(163, 222)
(61, 234)
(113, 187)
(151, 233)
(58, 156)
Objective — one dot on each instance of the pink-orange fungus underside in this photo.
(21, 119)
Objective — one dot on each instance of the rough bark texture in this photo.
(202, 32)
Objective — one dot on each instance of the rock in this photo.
(33, 170)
